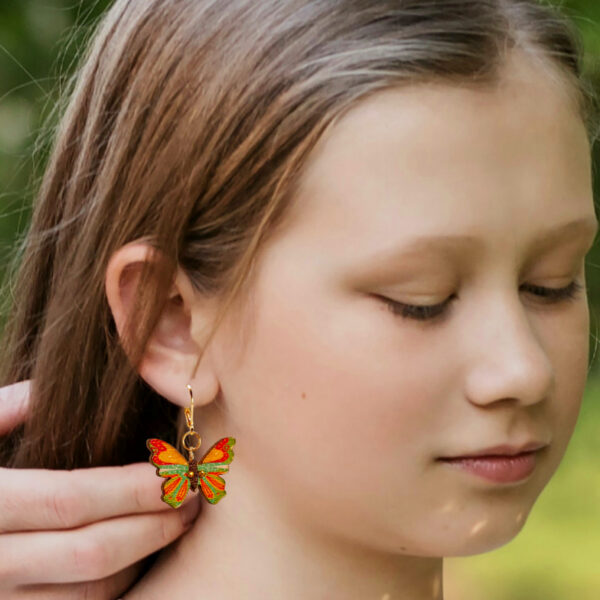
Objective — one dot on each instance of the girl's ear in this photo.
(172, 352)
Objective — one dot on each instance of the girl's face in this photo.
(341, 408)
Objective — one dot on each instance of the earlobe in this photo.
(172, 351)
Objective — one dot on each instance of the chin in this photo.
(484, 535)
(467, 534)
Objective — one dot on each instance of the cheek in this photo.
(334, 410)
(568, 344)
(342, 409)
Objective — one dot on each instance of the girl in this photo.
(357, 230)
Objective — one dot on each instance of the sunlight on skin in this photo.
(449, 506)
(478, 526)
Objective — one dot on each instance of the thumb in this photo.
(14, 405)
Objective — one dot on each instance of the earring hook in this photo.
(189, 417)
(189, 412)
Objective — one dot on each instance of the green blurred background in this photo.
(557, 554)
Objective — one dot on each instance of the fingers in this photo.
(14, 405)
(89, 553)
(109, 587)
(34, 499)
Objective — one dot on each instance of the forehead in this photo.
(437, 157)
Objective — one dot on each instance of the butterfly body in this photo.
(182, 475)
(193, 474)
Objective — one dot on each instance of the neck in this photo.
(250, 546)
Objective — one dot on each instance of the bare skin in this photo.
(58, 541)
(341, 408)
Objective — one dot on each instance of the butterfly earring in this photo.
(182, 474)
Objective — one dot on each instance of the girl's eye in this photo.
(569, 292)
(432, 311)
(427, 312)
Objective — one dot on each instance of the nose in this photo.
(507, 357)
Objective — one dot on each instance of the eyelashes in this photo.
(569, 292)
(435, 311)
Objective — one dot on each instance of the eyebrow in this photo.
(470, 243)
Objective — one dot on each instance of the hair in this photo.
(187, 124)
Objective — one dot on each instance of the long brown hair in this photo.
(187, 124)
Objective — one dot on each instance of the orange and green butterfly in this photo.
(182, 474)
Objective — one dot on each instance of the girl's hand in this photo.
(82, 533)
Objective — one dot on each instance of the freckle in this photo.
(402, 547)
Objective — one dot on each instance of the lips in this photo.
(500, 450)
(504, 463)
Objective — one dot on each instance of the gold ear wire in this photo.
(189, 417)
(189, 412)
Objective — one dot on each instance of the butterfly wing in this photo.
(215, 461)
(171, 464)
